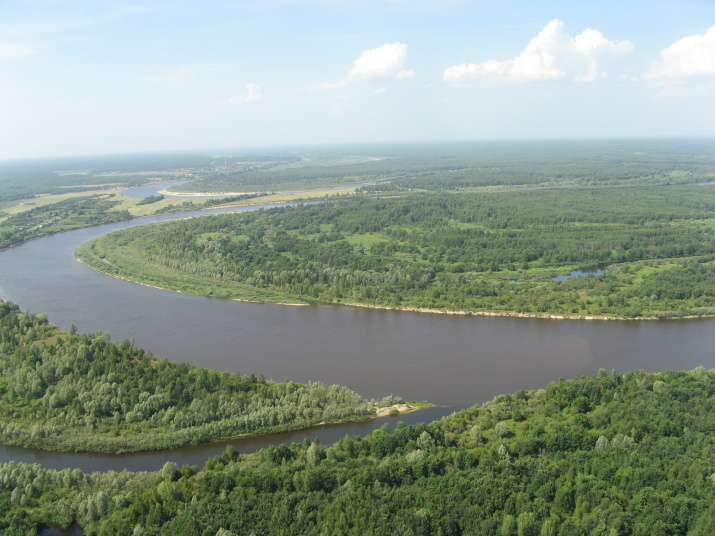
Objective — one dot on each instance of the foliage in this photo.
(494, 251)
(25, 179)
(151, 199)
(552, 475)
(189, 205)
(84, 393)
(450, 166)
(61, 216)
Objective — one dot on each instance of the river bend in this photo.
(451, 360)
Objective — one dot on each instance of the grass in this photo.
(23, 205)
(172, 279)
(366, 240)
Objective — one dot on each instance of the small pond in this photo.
(56, 530)
(583, 272)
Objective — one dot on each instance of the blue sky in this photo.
(92, 77)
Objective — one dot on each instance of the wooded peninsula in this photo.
(611, 454)
(70, 392)
(494, 251)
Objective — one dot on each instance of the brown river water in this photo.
(452, 361)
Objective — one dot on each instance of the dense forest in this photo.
(41, 197)
(438, 166)
(474, 251)
(64, 391)
(84, 211)
(608, 455)
(456, 227)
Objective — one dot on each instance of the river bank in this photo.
(505, 314)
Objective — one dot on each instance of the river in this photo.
(452, 361)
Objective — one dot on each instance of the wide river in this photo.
(452, 361)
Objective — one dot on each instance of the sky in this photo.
(80, 77)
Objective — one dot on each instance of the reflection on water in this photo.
(197, 455)
(583, 272)
(73, 530)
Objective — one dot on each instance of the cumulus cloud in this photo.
(551, 55)
(380, 62)
(253, 93)
(387, 61)
(687, 60)
(691, 56)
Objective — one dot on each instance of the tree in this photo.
(425, 441)
(501, 429)
(508, 526)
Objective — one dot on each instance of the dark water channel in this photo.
(453, 361)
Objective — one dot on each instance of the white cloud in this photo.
(8, 50)
(382, 62)
(551, 55)
(380, 90)
(253, 93)
(333, 85)
(184, 76)
(33, 37)
(673, 92)
(691, 56)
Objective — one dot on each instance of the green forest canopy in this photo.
(607, 455)
(64, 391)
(473, 251)
(459, 165)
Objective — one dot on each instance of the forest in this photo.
(493, 251)
(474, 227)
(604, 455)
(436, 166)
(42, 197)
(72, 392)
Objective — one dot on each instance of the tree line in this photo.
(494, 251)
(611, 454)
(82, 392)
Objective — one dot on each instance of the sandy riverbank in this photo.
(511, 314)
(400, 408)
(204, 194)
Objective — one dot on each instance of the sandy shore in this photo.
(401, 408)
(511, 314)
(507, 314)
(204, 194)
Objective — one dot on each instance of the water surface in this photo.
(583, 272)
(450, 360)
